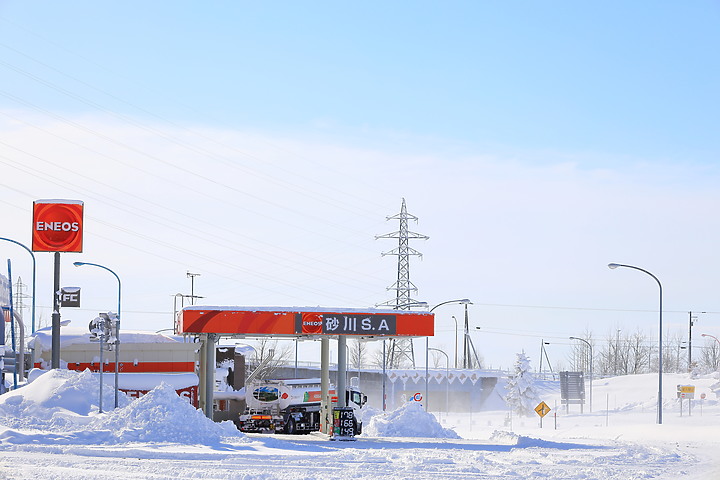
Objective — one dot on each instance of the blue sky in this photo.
(263, 145)
(612, 78)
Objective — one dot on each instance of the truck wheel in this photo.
(290, 426)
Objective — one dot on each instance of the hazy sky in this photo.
(262, 145)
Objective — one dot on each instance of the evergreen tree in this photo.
(522, 397)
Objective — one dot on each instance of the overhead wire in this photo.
(317, 266)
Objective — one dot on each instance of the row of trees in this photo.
(274, 354)
(633, 353)
(617, 354)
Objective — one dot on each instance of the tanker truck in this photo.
(292, 406)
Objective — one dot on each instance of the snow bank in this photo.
(162, 416)
(65, 402)
(410, 420)
(56, 400)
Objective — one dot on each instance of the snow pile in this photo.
(366, 413)
(57, 400)
(162, 416)
(504, 437)
(65, 402)
(410, 420)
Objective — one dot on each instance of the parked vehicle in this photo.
(291, 406)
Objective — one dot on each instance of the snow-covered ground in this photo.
(51, 429)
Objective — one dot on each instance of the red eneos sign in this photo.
(57, 226)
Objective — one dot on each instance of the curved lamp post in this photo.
(591, 365)
(33, 277)
(463, 301)
(660, 345)
(117, 323)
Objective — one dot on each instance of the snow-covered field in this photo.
(51, 429)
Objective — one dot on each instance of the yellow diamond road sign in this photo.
(542, 409)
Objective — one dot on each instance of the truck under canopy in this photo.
(211, 322)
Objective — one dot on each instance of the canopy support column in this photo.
(325, 414)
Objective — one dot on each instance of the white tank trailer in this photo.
(292, 406)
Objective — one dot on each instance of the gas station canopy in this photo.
(301, 321)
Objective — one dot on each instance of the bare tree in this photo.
(624, 354)
(710, 355)
(358, 354)
(637, 353)
(674, 359)
(269, 356)
(609, 357)
(377, 359)
(438, 359)
(579, 357)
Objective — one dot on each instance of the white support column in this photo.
(342, 371)
(209, 368)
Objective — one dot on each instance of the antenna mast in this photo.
(402, 348)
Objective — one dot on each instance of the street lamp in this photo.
(447, 379)
(33, 278)
(591, 365)
(117, 323)
(660, 354)
(463, 301)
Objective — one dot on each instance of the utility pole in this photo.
(692, 317)
(192, 276)
(403, 286)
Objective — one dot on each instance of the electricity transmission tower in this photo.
(402, 349)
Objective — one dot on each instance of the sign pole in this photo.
(57, 227)
(55, 353)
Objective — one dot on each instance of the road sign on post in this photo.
(686, 391)
(572, 389)
(542, 409)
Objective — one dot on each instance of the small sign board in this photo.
(686, 391)
(572, 388)
(57, 226)
(343, 424)
(69, 297)
(542, 409)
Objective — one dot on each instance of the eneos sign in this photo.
(57, 226)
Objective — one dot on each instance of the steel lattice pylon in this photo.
(401, 350)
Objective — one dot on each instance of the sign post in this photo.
(57, 227)
(686, 391)
(542, 409)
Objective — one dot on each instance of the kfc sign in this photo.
(57, 226)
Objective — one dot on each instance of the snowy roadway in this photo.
(50, 430)
(305, 457)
